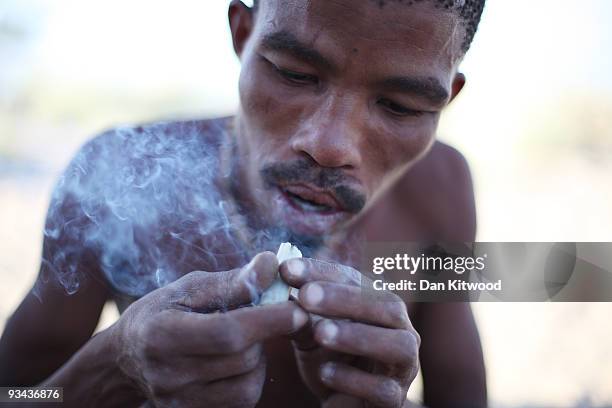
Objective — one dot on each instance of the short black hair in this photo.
(470, 12)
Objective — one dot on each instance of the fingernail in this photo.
(327, 371)
(257, 265)
(329, 331)
(249, 268)
(248, 272)
(299, 318)
(295, 268)
(314, 294)
(250, 264)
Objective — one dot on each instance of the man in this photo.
(333, 144)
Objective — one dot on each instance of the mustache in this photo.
(305, 171)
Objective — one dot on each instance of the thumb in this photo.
(212, 291)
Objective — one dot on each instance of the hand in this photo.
(361, 351)
(188, 344)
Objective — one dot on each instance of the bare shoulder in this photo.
(116, 189)
(437, 195)
(444, 165)
(154, 139)
(132, 199)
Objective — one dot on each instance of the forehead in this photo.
(415, 37)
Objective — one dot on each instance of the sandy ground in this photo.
(537, 354)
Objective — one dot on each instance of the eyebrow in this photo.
(429, 88)
(285, 41)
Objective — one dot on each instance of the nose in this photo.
(331, 136)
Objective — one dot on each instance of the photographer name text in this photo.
(426, 285)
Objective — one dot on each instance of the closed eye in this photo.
(298, 77)
(294, 77)
(398, 110)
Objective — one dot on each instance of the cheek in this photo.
(256, 100)
(265, 104)
(410, 144)
(391, 150)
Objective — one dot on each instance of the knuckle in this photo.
(388, 393)
(149, 340)
(398, 314)
(353, 276)
(227, 281)
(250, 359)
(157, 385)
(246, 361)
(189, 282)
(250, 393)
(234, 341)
(227, 336)
(417, 338)
(410, 348)
(149, 349)
(348, 274)
(185, 291)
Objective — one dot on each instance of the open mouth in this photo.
(307, 205)
(307, 200)
(308, 211)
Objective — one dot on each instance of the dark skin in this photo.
(320, 104)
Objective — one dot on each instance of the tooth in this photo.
(310, 206)
(279, 291)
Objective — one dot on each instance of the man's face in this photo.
(337, 99)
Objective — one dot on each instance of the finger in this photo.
(298, 272)
(175, 374)
(347, 302)
(216, 367)
(378, 390)
(224, 333)
(208, 291)
(240, 391)
(303, 339)
(398, 348)
(257, 324)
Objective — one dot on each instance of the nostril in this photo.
(327, 150)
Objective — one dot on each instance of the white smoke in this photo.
(142, 204)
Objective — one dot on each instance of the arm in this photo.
(92, 376)
(48, 342)
(451, 356)
(44, 333)
(50, 325)
(48, 338)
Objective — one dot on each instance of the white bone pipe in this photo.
(279, 291)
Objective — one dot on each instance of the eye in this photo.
(397, 109)
(295, 77)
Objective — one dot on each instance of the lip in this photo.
(301, 221)
(314, 195)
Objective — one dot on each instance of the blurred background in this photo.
(534, 121)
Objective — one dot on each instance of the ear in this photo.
(241, 24)
(457, 86)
